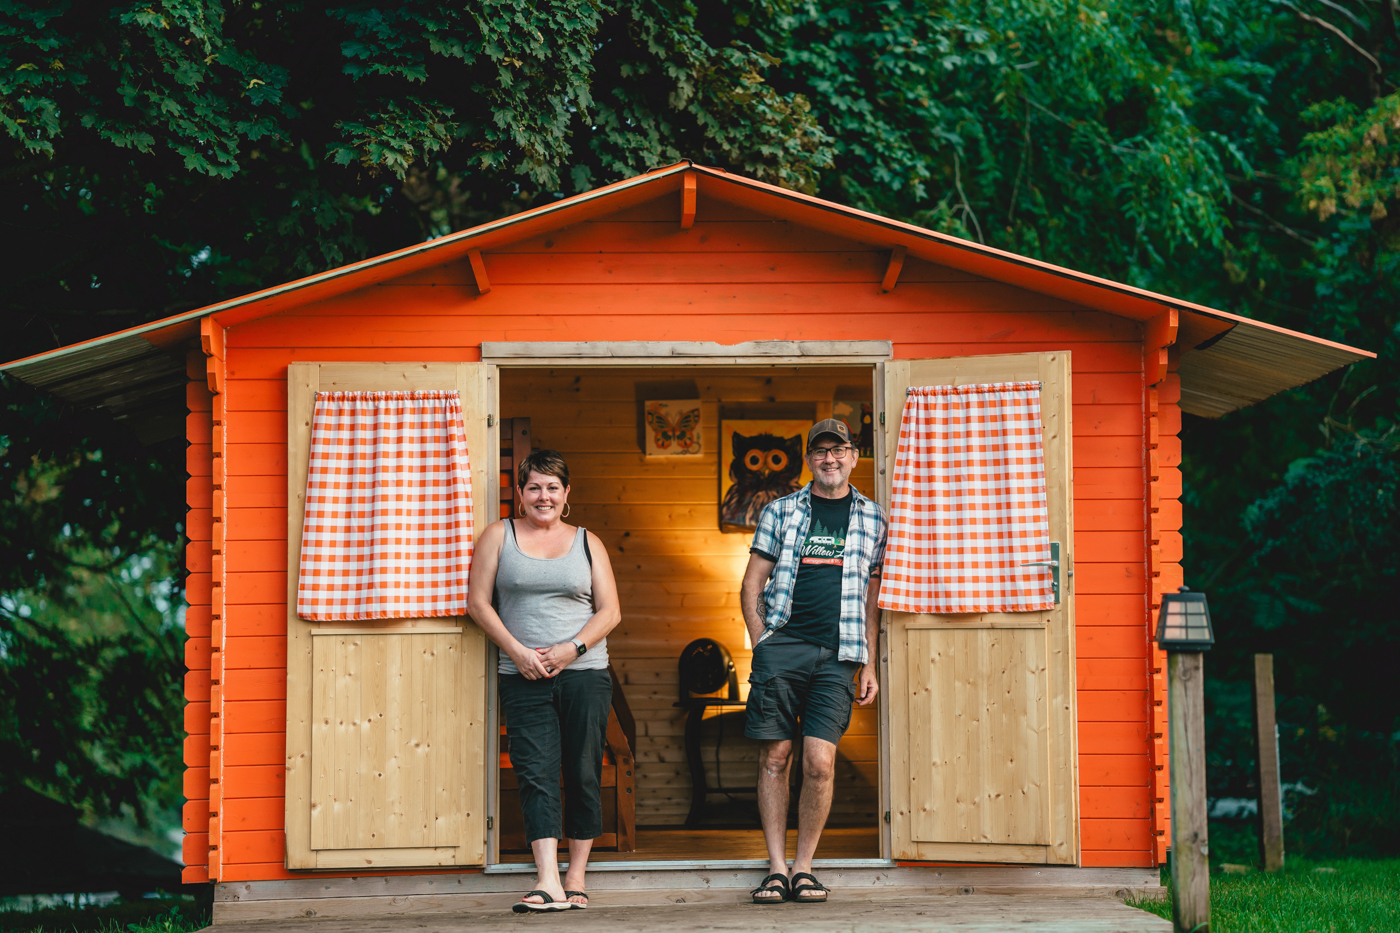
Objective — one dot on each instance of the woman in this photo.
(555, 600)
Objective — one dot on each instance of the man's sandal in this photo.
(798, 889)
(569, 894)
(523, 906)
(781, 888)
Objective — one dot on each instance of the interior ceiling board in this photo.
(141, 384)
(1250, 364)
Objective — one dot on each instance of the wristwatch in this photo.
(582, 648)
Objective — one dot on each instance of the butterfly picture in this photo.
(673, 428)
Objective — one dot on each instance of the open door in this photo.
(982, 719)
(386, 718)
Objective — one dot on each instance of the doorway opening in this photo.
(679, 563)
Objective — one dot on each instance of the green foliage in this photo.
(1045, 127)
(148, 916)
(167, 155)
(1348, 896)
(1353, 160)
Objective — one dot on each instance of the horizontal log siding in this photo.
(195, 817)
(732, 277)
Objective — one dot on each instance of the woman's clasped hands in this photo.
(543, 663)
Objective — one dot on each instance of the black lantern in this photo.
(1184, 624)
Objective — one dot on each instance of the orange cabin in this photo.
(557, 326)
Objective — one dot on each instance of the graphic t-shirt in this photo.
(816, 594)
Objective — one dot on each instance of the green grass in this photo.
(153, 916)
(1357, 896)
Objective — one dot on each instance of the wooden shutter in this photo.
(982, 705)
(386, 720)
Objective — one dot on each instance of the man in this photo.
(809, 599)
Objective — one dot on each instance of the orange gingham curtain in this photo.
(388, 528)
(968, 505)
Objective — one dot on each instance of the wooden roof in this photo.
(1226, 361)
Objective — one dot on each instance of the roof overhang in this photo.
(1226, 362)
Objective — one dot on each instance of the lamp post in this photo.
(1184, 632)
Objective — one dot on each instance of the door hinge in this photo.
(490, 420)
(490, 822)
(882, 417)
(887, 816)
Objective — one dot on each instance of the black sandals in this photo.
(523, 906)
(816, 885)
(568, 894)
(781, 888)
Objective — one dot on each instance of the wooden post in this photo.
(1190, 850)
(1270, 794)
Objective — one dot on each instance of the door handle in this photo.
(1054, 564)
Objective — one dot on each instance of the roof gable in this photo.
(1227, 361)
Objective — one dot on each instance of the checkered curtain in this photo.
(967, 504)
(388, 528)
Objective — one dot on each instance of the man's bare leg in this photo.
(547, 870)
(579, 850)
(774, 760)
(818, 782)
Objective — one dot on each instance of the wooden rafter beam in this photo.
(483, 284)
(1159, 334)
(892, 271)
(688, 201)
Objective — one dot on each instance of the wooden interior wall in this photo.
(733, 276)
(678, 575)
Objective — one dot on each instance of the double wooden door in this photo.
(982, 751)
(386, 720)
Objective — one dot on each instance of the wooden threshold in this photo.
(709, 846)
(415, 895)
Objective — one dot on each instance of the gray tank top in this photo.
(546, 601)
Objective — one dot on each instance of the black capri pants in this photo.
(554, 724)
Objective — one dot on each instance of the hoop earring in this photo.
(520, 509)
(567, 509)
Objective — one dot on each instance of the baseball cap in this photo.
(828, 426)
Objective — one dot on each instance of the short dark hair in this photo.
(546, 462)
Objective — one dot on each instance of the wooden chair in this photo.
(619, 786)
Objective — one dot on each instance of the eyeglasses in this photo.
(838, 452)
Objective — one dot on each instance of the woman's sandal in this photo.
(781, 887)
(816, 885)
(568, 894)
(523, 906)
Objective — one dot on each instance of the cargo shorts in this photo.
(799, 689)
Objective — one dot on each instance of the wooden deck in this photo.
(707, 898)
(693, 845)
(852, 909)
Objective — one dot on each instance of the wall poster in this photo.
(760, 460)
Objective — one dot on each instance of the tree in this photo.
(163, 156)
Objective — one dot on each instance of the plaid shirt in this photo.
(781, 529)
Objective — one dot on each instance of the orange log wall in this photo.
(198, 594)
(734, 276)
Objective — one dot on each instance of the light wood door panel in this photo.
(978, 735)
(982, 719)
(386, 735)
(385, 741)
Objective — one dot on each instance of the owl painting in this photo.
(760, 461)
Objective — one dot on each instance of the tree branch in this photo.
(1273, 223)
(1345, 12)
(1336, 32)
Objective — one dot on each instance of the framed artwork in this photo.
(859, 417)
(760, 460)
(672, 428)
